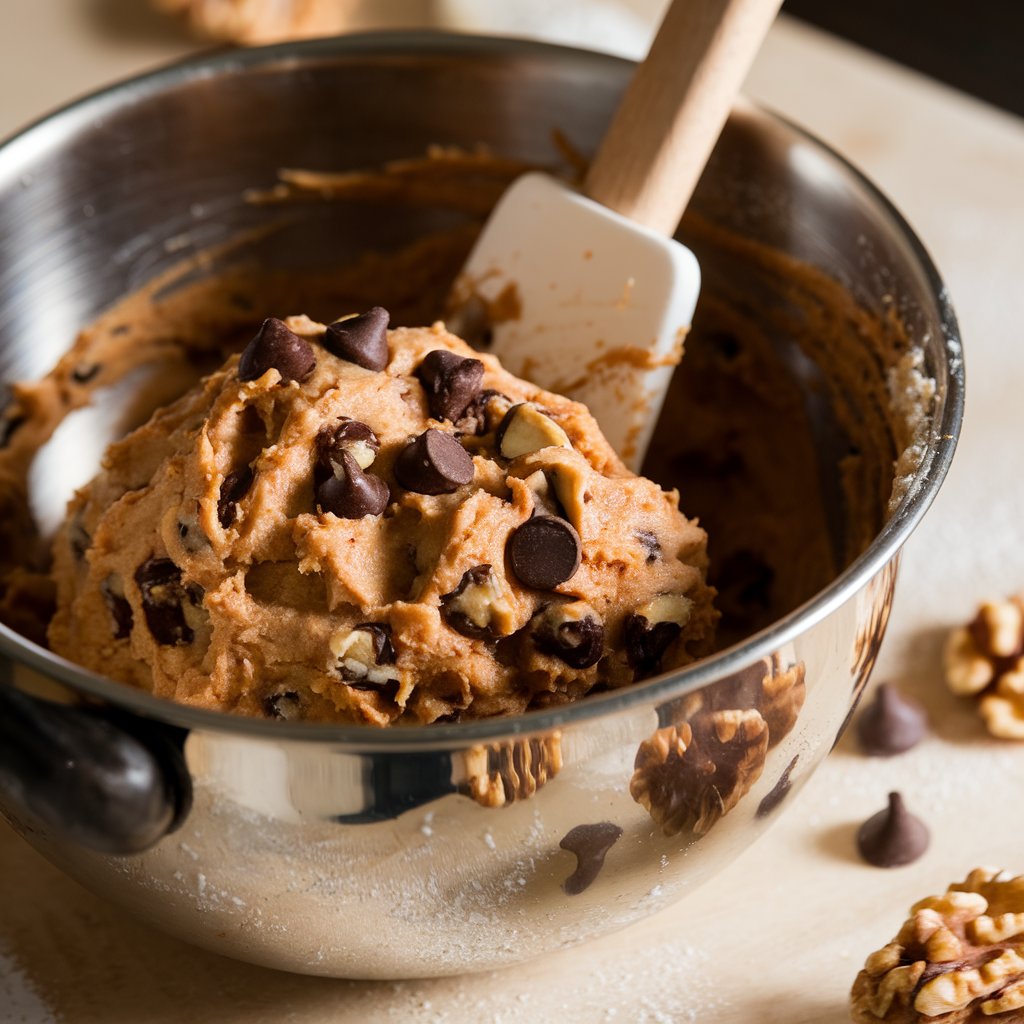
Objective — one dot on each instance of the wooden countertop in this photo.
(778, 936)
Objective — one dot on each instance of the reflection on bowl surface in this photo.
(420, 852)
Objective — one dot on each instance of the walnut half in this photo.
(958, 957)
(985, 660)
(689, 775)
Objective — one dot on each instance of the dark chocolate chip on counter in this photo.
(233, 489)
(590, 844)
(544, 552)
(350, 493)
(891, 723)
(778, 792)
(159, 581)
(451, 382)
(276, 347)
(434, 463)
(118, 606)
(892, 837)
(646, 642)
(577, 640)
(362, 339)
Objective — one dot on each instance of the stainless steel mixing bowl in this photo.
(350, 851)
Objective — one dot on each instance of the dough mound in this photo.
(304, 543)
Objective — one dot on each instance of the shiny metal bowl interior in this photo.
(339, 850)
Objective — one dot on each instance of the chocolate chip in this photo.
(434, 463)
(650, 544)
(362, 339)
(349, 493)
(78, 536)
(469, 608)
(590, 844)
(285, 705)
(544, 552)
(778, 792)
(578, 641)
(380, 634)
(646, 642)
(85, 372)
(233, 489)
(892, 837)
(276, 347)
(10, 419)
(118, 606)
(347, 435)
(484, 414)
(451, 382)
(159, 580)
(891, 723)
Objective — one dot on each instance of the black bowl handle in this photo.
(112, 783)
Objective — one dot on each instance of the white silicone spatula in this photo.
(601, 295)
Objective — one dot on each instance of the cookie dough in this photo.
(346, 523)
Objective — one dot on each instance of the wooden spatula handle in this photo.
(675, 108)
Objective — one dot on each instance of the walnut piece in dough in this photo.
(309, 536)
(959, 957)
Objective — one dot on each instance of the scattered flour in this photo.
(20, 1003)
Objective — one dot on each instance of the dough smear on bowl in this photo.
(352, 524)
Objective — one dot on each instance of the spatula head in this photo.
(584, 302)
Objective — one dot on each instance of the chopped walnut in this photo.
(261, 21)
(502, 773)
(689, 775)
(958, 957)
(985, 660)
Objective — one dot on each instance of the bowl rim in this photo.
(926, 479)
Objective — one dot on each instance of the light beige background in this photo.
(779, 935)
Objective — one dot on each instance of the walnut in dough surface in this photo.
(430, 539)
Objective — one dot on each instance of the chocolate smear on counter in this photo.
(350, 493)
(892, 837)
(646, 642)
(891, 723)
(276, 347)
(577, 642)
(233, 489)
(778, 792)
(590, 844)
(434, 463)
(362, 339)
(451, 383)
(544, 552)
(119, 608)
(159, 580)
